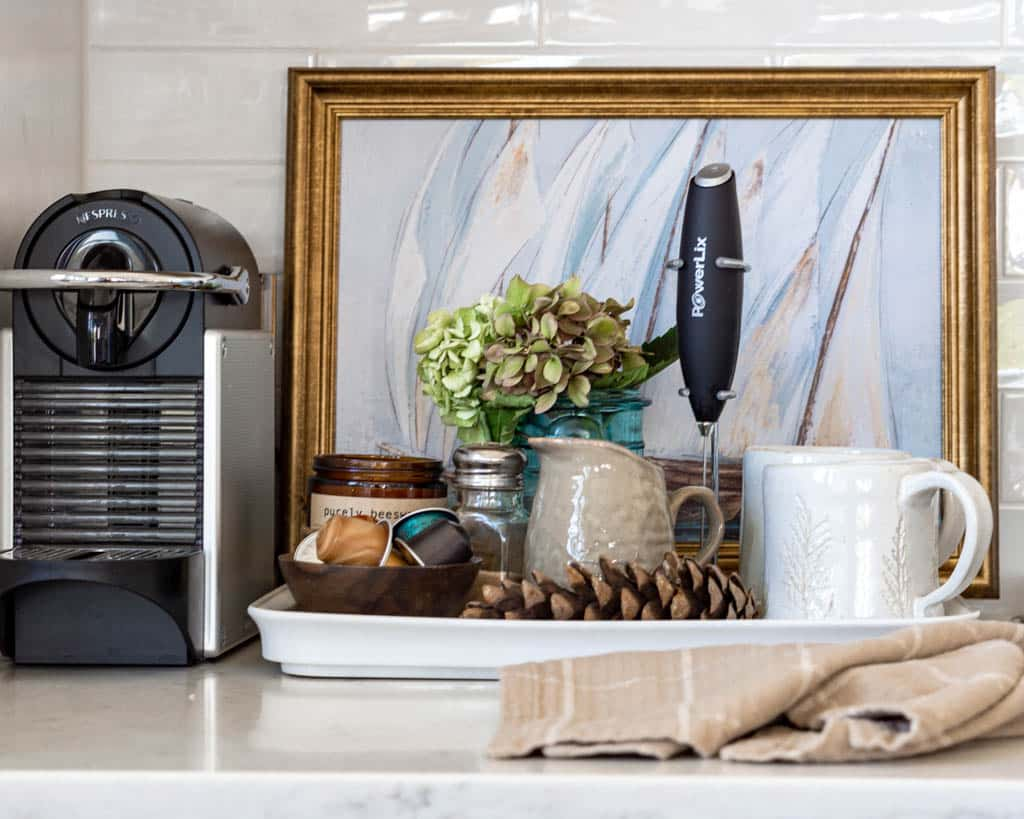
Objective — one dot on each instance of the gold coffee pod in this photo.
(359, 540)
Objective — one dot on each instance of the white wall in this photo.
(40, 111)
(188, 98)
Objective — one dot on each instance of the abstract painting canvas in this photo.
(842, 224)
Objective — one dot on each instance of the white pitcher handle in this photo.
(953, 523)
(716, 521)
(977, 512)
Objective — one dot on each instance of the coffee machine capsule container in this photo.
(136, 435)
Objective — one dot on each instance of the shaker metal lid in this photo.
(488, 466)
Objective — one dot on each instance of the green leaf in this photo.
(426, 339)
(476, 434)
(458, 380)
(552, 370)
(545, 402)
(505, 325)
(549, 326)
(502, 422)
(474, 351)
(662, 352)
(518, 293)
(633, 361)
(538, 290)
(602, 329)
(439, 318)
(579, 389)
(658, 353)
(531, 363)
(506, 401)
(622, 379)
(571, 287)
(510, 366)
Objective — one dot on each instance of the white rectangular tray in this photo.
(353, 645)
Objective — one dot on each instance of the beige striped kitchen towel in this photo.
(911, 692)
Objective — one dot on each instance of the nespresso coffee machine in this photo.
(136, 435)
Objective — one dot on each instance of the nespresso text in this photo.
(96, 214)
(697, 302)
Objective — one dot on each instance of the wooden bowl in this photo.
(413, 591)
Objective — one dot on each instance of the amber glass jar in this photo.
(383, 486)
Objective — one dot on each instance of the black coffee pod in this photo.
(408, 555)
(441, 543)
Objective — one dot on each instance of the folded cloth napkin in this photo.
(916, 690)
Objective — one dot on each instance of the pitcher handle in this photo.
(977, 510)
(953, 523)
(716, 521)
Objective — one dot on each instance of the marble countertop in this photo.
(238, 738)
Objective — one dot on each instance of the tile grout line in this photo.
(583, 49)
(84, 74)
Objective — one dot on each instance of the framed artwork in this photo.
(865, 201)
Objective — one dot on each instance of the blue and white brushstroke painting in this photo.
(436, 212)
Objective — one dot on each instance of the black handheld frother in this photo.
(709, 302)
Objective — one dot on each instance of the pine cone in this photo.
(678, 589)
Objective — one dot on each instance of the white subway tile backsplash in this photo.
(40, 27)
(1010, 331)
(1011, 567)
(40, 112)
(1011, 460)
(740, 23)
(189, 99)
(1010, 108)
(192, 105)
(1013, 219)
(934, 58)
(1014, 22)
(546, 58)
(329, 24)
(251, 197)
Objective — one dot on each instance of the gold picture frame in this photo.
(962, 99)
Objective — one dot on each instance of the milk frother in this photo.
(709, 302)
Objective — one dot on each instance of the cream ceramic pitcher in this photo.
(598, 498)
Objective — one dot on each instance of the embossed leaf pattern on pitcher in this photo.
(896, 574)
(807, 573)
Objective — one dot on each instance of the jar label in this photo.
(322, 507)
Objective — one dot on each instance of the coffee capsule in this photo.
(409, 526)
(441, 543)
(401, 548)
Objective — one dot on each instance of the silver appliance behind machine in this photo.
(137, 435)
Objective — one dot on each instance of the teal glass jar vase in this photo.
(612, 415)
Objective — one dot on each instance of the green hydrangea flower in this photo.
(451, 348)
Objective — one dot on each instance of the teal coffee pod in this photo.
(409, 526)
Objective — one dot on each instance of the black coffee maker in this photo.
(136, 435)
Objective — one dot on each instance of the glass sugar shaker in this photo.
(488, 481)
